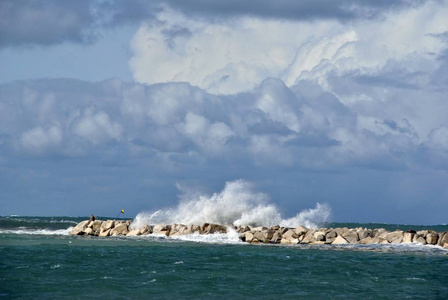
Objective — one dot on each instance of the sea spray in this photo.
(237, 204)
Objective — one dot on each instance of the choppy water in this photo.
(39, 260)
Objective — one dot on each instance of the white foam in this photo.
(236, 204)
(37, 231)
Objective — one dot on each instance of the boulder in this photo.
(105, 232)
(445, 246)
(259, 236)
(443, 239)
(276, 237)
(363, 233)
(395, 237)
(195, 228)
(289, 235)
(146, 229)
(88, 231)
(379, 232)
(351, 236)
(96, 226)
(260, 228)
(79, 229)
(308, 237)
(134, 232)
(215, 228)
(369, 240)
(341, 231)
(339, 240)
(247, 236)
(289, 241)
(319, 236)
(119, 229)
(109, 224)
(408, 237)
(265, 235)
(299, 230)
(432, 238)
(161, 229)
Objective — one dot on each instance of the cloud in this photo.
(52, 22)
(29, 22)
(291, 10)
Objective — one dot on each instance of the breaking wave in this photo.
(237, 204)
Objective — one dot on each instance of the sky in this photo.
(137, 105)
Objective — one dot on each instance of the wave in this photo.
(37, 231)
(237, 204)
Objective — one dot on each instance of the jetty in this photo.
(267, 235)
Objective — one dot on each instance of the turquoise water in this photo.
(40, 261)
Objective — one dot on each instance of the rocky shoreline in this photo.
(268, 235)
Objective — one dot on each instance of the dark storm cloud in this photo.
(293, 10)
(51, 22)
(45, 22)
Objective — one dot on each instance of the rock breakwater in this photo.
(268, 235)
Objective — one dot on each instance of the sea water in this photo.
(39, 259)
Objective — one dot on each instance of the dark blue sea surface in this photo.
(44, 262)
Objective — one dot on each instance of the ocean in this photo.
(40, 260)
